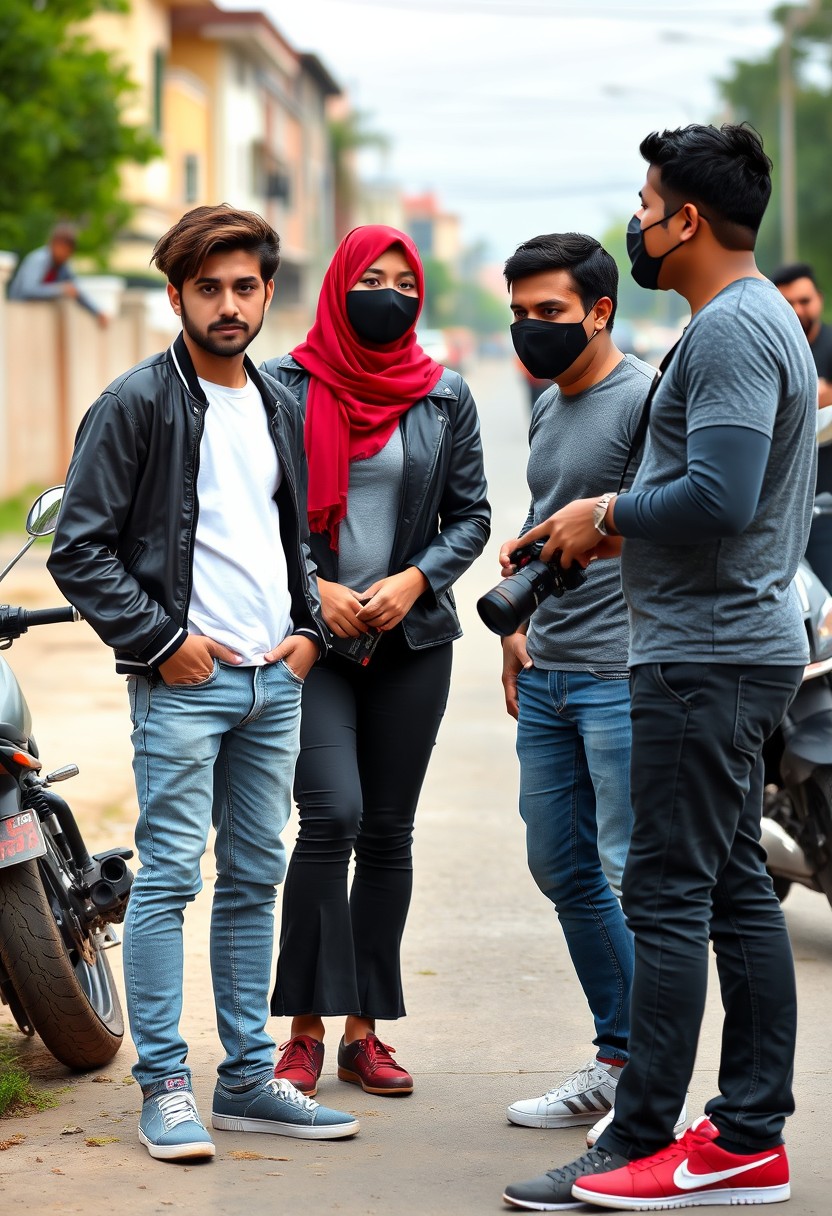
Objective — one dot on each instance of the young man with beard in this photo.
(182, 540)
(798, 285)
(714, 526)
(565, 671)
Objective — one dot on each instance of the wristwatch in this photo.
(598, 513)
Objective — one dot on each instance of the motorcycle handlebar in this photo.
(15, 621)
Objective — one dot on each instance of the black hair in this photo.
(784, 275)
(593, 270)
(725, 169)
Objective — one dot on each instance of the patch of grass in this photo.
(13, 511)
(17, 1092)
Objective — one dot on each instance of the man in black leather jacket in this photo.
(182, 540)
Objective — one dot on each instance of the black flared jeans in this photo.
(367, 734)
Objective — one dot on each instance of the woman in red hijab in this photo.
(397, 512)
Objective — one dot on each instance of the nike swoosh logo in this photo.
(686, 1181)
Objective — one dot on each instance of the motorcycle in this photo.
(797, 804)
(57, 903)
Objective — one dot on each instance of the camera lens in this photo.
(505, 607)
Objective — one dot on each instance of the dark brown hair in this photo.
(180, 253)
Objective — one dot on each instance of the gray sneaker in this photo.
(552, 1192)
(276, 1106)
(169, 1126)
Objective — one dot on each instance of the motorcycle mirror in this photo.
(42, 519)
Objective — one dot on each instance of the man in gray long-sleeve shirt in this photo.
(713, 531)
(46, 273)
(566, 681)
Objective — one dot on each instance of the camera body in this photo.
(509, 605)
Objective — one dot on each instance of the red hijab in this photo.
(357, 392)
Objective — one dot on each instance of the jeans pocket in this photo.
(209, 679)
(286, 669)
(679, 681)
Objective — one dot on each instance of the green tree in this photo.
(61, 128)
(752, 93)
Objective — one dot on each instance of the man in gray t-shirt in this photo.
(715, 525)
(566, 681)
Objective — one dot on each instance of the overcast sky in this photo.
(525, 115)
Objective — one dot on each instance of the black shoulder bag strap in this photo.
(644, 420)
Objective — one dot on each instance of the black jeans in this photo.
(696, 870)
(367, 734)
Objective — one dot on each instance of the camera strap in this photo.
(644, 421)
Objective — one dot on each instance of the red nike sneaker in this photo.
(691, 1172)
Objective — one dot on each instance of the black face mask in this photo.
(548, 348)
(382, 315)
(646, 268)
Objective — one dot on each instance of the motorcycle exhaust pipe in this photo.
(784, 856)
(108, 884)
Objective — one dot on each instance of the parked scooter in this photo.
(797, 806)
(57, 903)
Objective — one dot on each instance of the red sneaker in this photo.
(368, 1063)
(301, 1063)
(691, 1172)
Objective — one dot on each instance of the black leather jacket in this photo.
(123, 551)
(444, 519)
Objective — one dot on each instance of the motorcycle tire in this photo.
(74, 1008)
(816, 796)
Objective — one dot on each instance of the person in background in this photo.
(182, 540)
(797, 284)
(397, 511)
(714, 528)
(47, 274)
(565, 673)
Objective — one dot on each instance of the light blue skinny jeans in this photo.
(573, 743)
(222, 751)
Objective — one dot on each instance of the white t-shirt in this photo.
(240, 593)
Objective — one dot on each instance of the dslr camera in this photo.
(510, 604)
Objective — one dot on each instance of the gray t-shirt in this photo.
(743, 361)
(367, 532)
(578, 445)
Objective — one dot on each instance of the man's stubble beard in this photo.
(212, 346)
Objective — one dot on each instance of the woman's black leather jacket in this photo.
(123, 550)
(444, 518)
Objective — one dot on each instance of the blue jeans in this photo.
(573, 743)
(222, 751)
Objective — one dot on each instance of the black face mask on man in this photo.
(548, 348)
(645, 268)
(382, 315)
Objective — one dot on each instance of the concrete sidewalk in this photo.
(495, 1012)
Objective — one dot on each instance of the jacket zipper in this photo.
(397, 547)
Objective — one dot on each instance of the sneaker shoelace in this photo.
(580, 1080)
(379, 1054)
(688, 1142)
(298, 1055)
(178, 1108)
(287, 1091)
(593, 1162)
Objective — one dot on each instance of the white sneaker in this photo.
(581, 1098)
(602, 1125)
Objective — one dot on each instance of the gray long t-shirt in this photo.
(579, 445)
(743, 361)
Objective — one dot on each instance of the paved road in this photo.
(495, 1011)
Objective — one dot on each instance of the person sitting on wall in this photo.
(46, 273)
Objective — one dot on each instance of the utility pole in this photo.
(795, 19)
